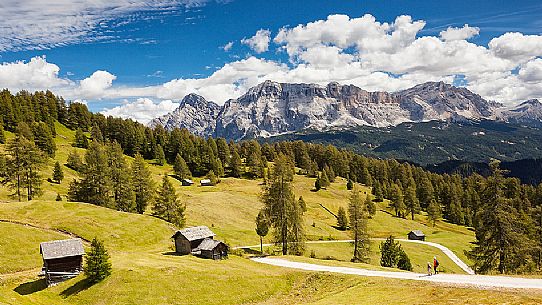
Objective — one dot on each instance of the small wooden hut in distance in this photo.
(416, 235)
(212, 249)
(62, 259)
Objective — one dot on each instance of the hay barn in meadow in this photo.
(62, 259)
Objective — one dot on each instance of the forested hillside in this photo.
(505, 214)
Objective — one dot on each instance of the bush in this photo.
(392, 255)
(403, 261)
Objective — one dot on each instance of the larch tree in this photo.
(159, 155)
(58, 174)
(143, 184)
(434, 211)
(167, 205)
(121, 179)
(411, 201)
(342, 219)
(262, 228)
(97, 263)
(359, 227)
(236, 164)
(180, 168)
(397, 200)
(281, 209)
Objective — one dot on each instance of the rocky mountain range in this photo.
(273, 108)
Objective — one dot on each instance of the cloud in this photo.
(227, 47)
(464, 33)
(36, 74)
(96, 85)
(516, 46)
(142, 110)
(37, 25)
(259, 42)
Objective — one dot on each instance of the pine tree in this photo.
(425, 192)
(371, 206)
(44, 139)
(96, 134)
(180, 168)
(403, 261)
(358, 227)
(411, 201)
(81, 140)
(58, 175)
(262, 228)
(377, 191)
(97, 262)
(455, 210)
(159, 155)
(281, 209)
(434, 211)
(302, 204)
(388, 252)
(212, 177)
(74, 161)
(324, 180)
(342, 219)
(223, 151)
(397, 200)
(349, 185)
(143, 184)
(168, 206)
(121, 179)
(235, 163)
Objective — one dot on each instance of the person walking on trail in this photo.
(428, 268)
(435, 264)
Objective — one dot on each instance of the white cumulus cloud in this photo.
(227, 47)
(95, 85)
(142, 110)
(464, 33)
(259, 42)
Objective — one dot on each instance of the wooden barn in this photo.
(205, 182)
(212, 249)
(189, 239)
(416, 235)
(62, 259)
(187, 182)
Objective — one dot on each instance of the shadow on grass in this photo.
(83, 284)
(31, 287)
(172, 253)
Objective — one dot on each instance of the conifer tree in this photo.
(324, 180)
(317, 183)
(411, 201)
(81, 140)
(434, 211)
(74, 161)
(281, 209)
(377, 191)
(180, 168)
(44, 139)
(143, 184)
(371, 206)
(96, 134)
(58, 174)
(121, 179)
(425, 192)
(358, 227)
(397, 200)
(97, 262)
(223, 151)
(262, 228)
(167, 205)
(159, 155)
(349, 185)
(388, 252)
(302, 204)
(236, 165)
(2, 134)
(212, 177)
(342, 219)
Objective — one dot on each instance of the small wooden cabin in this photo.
(205, 182)
(187, 182)
(212, 249)
(416, 235)
(189, 239)
(62, 259)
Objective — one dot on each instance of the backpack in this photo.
(436, 263)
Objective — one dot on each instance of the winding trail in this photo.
(444, 249)
(478, 281)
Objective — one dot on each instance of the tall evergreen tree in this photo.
(358, 227)
(397, 200)
(180, 168)
(342, 219)
(167, 204)
(434, 211)
(44, 139)
(223, 151)
(2, 134)
(58, 174)
(97, 262)
(121, 179)
(262, 228)
(371, 206)
(281, 209)
(411, 201)
(74, 161)
(324, 179)
(377, 191)
(236, 164)
(81, 139)
(143, 184)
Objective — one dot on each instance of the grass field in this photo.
(145, 271)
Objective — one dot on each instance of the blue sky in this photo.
(148, 50)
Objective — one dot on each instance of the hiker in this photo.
(435, 264)
(428, 268)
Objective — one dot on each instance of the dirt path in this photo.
(480, 281)
(444, 249)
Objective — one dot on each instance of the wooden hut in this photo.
(62, 259)
(187, 182)
(205, 182)
(212, 249)
(189, 239)
(416, 235)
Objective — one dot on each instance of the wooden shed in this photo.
(62, 259)
(416, 235)
(189, 239)
(205, 182)
(212, 249)
(187, 182)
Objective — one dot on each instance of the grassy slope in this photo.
(145, 273)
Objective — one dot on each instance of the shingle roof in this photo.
(61, 248)
(417, 232)
(194, 233)
(207, 244)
